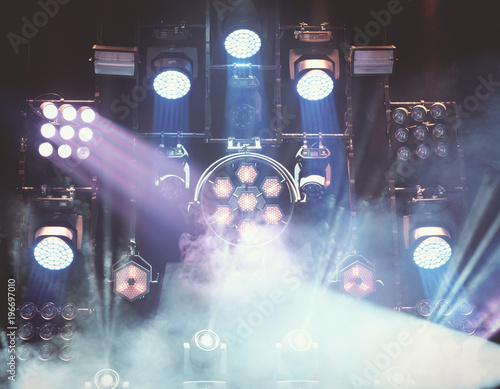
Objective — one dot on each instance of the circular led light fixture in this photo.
(438, 110)
(82, 152)
(64, 151)
(49, 110)
(47, 331)
(206, 340)
(86, 114)
(464, 307)
(418, 113)
(25, 352)
(420, 132)
(315, 84)
(246, 199)
(441, 149)
(439, 131)
(68, 331)
(68, 112)
(424, 308)
(423, 151)
(404, 153)
(106, 379)
(85, 134)
(45, 149)
(172, 84)
(28, 311)
(47, 351)
(66, 353)
(399, 115)
(298, 340)
(48, 130)
(53, 253)
(67, 132)
(242, 43)
(26, 331)
(402, 134)
(69, 311)
(48, 311)
(432, 252)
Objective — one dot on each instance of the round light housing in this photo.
(419, 113)
(49, 110)
(48, 130)
(432, 252)
(404, 153)
(67, 132)
(68, 112)
(53, 253)
(106, 379)
(86, 114)
(438, 110)
(45, 149)
(242, 43)
(402, 134)
(315, 84)
(64, 151)
(399, 115)
(423, 151)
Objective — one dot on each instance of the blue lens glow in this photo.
(315, 85)
(432, 253)
(53, 253)
(172, 84)
(242, 43)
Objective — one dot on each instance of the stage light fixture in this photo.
(25, 352)
(419, 113)
(47, 351)
(313, 172)
(49, 110)
(28, 311)
(242, 32)
(68, 331)
(172, 171)
(68, 112)
(441, 149)
(106, 379)
(438, 111)
(66, 353)
(428, 233)
(439, 130)
(67, 132)
(467, 327)
(47, 331)
(132, 277)
(315, 70)
(205, 361)
(55, 237)
(48, 311)
(85, 134)
(114, 61)
(69, 311)
(297, 363)
(464, 307)
(86, 114)
(443, 307)
(64, 151)
(400, 115)
(420, 132)
(45, 149)
(424, 308)
(372, 60)
(232, 195)
(48, 130)
(423, 151)
(404, 153)
(26, 331)
(402, 134)
(356, 276)
(174, 69)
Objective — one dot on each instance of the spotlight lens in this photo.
(247, 174)
(400, 115)
(442, 149)
(467, 327)
(404, 153)
(48, 311)
(68, 331)
(87, 114)
(420, 132)
(242, 43)
(47, 351)
(423, 151)
(464, 307)
(315, 85)
(64, 151)
(432, 253)
(53, 253)
(299, 340)
(439, 131)
(28, 311)
(45, 149)
(207, 340)
(437, 111)
(25, 352)
(106, 379)
(49, 110)
(424, 308)
(69, 311)
(83, 152)
(85, 134)
(68, 112)
(27, 331)
(402, 135)
(418, 113)
(67, 132)
(172, 84)
(48, 331)
(48, 130)
(66, 353)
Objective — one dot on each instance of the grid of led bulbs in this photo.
(67, 131)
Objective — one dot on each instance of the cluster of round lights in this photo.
(432, 252)
(242, 193)
(429, 137)
(172, 84)
(242, 43)
(68, 131)
(444, 308)
(47, 331)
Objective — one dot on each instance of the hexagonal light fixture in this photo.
(132, 277)
(356, 276)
